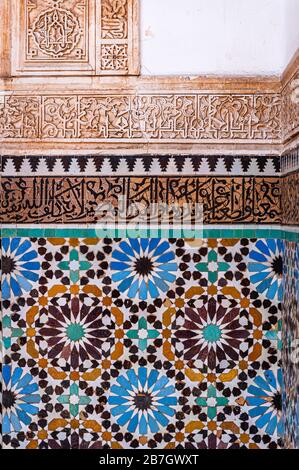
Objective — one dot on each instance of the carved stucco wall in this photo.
(75, 37)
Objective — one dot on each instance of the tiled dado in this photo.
(290, 335)
(94, 357)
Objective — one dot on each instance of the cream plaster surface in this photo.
(231, 37)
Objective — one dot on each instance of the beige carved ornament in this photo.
(290, 108)
(144, 117)
(60, 37)
(52, 53)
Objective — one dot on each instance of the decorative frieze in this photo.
(290, 199)
(143, 117)
(290, 100)
(290, 187)
(85, 38)
(129, 165)
(77, 199)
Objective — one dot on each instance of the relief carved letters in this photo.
(75, 199)
(144, 117)
(117, 37)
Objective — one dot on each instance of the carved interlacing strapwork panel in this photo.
(56, 30)
(71, 36)
(143, 117)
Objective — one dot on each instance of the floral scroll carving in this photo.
(144, 117)
(118, 37)
(114, 19)
(290, 108)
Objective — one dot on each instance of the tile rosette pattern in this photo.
(105, 369)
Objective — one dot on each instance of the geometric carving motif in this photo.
(56, 30)
(114, 57)
(68, 37)
(117, 37)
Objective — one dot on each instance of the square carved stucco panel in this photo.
(69, 37)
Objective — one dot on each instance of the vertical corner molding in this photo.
(290, 101)
(5, 38)
(75, 37)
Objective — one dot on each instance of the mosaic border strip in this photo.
(284, 233)
(141, 165)
(290, 188)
